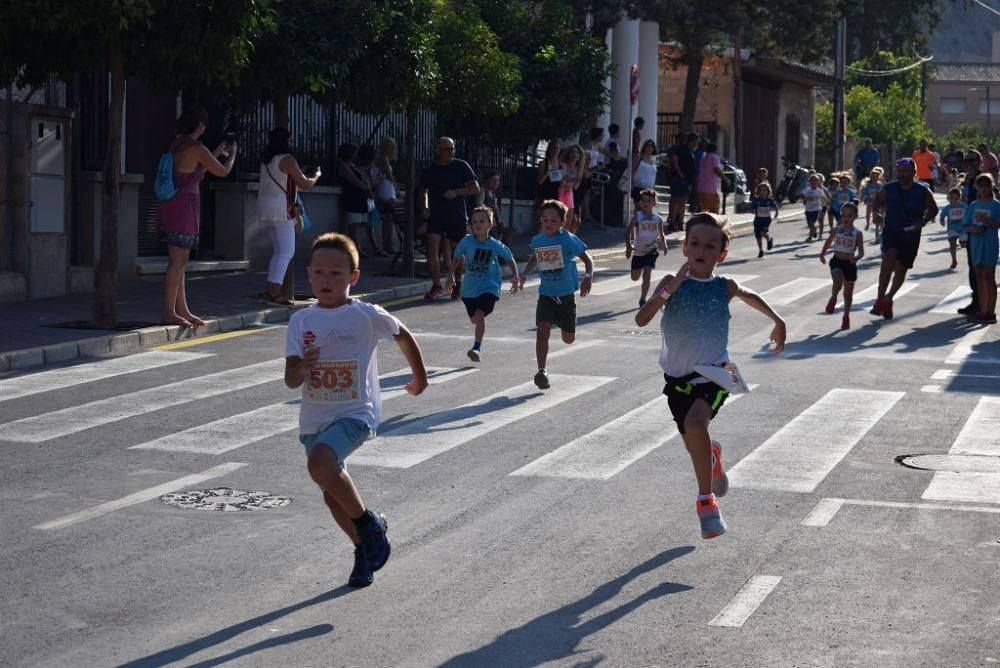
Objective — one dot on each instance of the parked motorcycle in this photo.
(793, 183)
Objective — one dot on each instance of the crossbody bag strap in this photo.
(268, 170)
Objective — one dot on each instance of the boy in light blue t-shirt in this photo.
(953, 216)
(554, 252)
(480, 255)
(842, 195)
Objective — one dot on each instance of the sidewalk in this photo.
(34, 334)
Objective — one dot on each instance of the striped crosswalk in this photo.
(796, 455)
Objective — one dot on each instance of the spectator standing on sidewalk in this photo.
(280, 177)
(644, 177)
(359, 197)
(180, 216)
(989, 164)
(635, 154)
(441, 194)
(865, 160)
(386, 193)
(709, 182)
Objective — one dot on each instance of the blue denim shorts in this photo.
(343, 436)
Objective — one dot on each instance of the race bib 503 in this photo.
(331, 381)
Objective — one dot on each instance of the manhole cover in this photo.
(225, 499)
(953, 463)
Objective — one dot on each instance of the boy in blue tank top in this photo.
(695, 332)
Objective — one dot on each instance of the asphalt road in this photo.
(528, 527)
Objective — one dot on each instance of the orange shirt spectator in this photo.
(923, 159)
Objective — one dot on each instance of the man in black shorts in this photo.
(905, 206)
(441, 194)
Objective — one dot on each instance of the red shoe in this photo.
(845, 322)
(433, 293)
(877, 307)
(831, 305)
(887, 309)
(720, 481)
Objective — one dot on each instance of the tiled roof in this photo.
(965, 72)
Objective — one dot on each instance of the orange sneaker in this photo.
(710, 516)
(720, 481)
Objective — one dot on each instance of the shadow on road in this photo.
(554, 635)
(179, 652)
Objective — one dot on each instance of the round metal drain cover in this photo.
(225, 499)
(953, 463)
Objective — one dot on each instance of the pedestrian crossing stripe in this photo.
(422, 439)
(980, 435)
(72, 420)
(89, 372)
(236, 431)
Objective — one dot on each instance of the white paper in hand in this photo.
(727, 377)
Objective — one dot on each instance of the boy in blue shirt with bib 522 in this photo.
(480, 254)
(554, 252)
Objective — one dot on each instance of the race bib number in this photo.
(845, 243)
(549, 258)
(331, 381)
(981, 216)
(555, 175)
(649, 227)
(763, 212)
(843, 198)
(956, 214)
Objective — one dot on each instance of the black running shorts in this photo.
(681, 395)
(560, 311)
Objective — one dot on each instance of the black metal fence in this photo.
(669, 124)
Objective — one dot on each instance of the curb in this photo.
(138, 339)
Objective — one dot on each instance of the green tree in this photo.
(966, 135)
(905, 26)
(305, 53)
(167, 44)
(424, 53)
(884, 61)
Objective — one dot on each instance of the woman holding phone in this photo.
(180, 216)
(280, 177)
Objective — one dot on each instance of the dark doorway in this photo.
(760, 126)
(792, 138)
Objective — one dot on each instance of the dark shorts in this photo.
(682, 394)
(679, 188)
(484, 302)
(812, 216)
(761, 227)
(906, 245)
(846, 267)
(560, 311)
(643, 261)
(453, 230)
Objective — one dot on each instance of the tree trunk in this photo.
(280, 102)
(692, 84)
(410, 178)
(106, 272)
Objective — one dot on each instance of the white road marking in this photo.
(966, 348)
(575, 347)
(786, 293)
(802, 453)
(428, 437)
(958, 297)
(866, 298)
(612, 447)
(141, 496)
(746, 601)
(625, 282)
(945, 374)
(827, 508)
(980, 435)
(235, 431)
(468, 337)
(57, 379)
(932, 388)
(74, 419)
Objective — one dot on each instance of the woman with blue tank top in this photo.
(982, 220)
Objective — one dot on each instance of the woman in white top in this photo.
(645, 170)
(386, 195)
(279, 174)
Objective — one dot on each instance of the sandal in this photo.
(277, 299)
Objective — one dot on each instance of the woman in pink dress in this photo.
(180, 216)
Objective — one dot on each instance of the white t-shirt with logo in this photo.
(813, 198)
(647, 232)
(344, 383)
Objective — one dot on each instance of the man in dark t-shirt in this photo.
(441, 194)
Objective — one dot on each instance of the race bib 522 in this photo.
(549, 258)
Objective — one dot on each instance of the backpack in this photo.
(163, 186)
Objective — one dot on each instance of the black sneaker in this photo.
(542, 379)
(642, 302)
(966, 310)
(361, 576)
(375, 542)
(760, 254)
(770, 243)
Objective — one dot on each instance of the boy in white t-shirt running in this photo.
(330, 351)
(643, 238)
(815, 199)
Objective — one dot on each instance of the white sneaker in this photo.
(473, 354)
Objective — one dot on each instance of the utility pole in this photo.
(839, 85)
